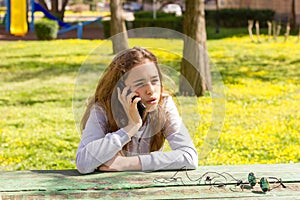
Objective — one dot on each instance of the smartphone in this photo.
(140, 106)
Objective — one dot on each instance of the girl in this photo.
(128, 119)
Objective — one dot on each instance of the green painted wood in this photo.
(182, 192)
(69, 184)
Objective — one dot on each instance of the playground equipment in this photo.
(16, 21)
(16, 17)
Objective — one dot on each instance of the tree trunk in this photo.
(269, 30)
(217, 17)
(257, 31)
(293, 16)
(43, 3)
(250, 26)
(63, 8)
(194, 66)
(55, 8)
(298, 35)
(117, 27)
(287, 32)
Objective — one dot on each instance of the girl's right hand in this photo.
(130, 108)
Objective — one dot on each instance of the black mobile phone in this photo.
(140, 106)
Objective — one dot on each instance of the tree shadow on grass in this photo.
(265, 72)
(230, 71)
(41, 55)
(44, 71)
(31, 102)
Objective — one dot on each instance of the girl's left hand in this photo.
(113, 164)
(121, 163)
(130, 106)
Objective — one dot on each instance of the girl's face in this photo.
(144, 80)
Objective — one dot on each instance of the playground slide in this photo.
(18, 18)
(39, 7)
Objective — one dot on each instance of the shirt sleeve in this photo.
(96, 147)
(183, 154)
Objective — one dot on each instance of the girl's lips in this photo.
(151, 101)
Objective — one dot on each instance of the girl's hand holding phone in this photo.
(130, 108)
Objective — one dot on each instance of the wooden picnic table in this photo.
(216, 182)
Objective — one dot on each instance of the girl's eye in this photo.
(154, 81)
(139, 84)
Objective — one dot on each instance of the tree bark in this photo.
(293, 16)
(63, 8)
(117, 27)
(287, 32)
(194, 66)
(250, 26)
(217, 17)
(55, 8)
(43, 3)
(269, 30)
(298, 35)
(257, 31)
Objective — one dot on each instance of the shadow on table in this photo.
(72, 172)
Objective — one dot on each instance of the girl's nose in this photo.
(149, 89)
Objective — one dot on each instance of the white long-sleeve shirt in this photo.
(97, 145)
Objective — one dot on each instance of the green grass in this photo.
(37, 82)
(226, 32)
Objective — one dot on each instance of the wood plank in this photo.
(182, 192)
(50, 184)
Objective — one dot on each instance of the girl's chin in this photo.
(151, 108)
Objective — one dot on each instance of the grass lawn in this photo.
(261, 84)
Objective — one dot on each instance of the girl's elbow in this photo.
(193, 160)
(82, 166)
(194, 164)
(83, 170)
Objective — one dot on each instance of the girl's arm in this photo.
(183, 152)
(120, 163)
(96, 147)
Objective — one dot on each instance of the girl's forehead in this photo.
(145, 70)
